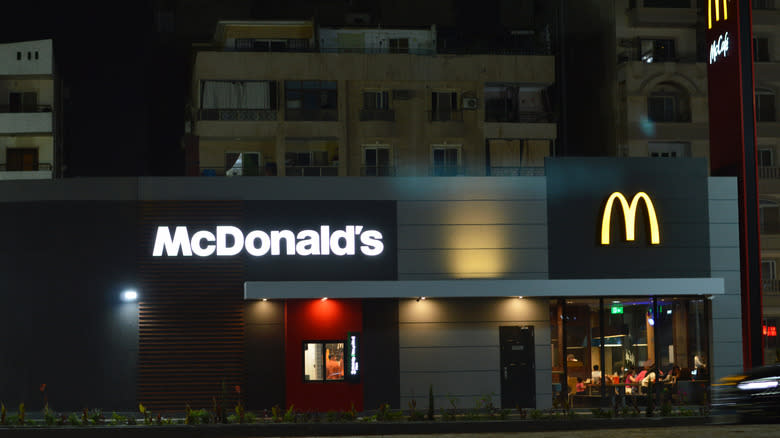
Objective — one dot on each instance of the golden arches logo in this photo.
(717, 11)
(629, 215)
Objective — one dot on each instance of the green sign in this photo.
(617, 310)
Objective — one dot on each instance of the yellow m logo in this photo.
(717, 11)
(629, 214)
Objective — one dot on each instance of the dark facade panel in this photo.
(577, 193)
(380, 354)
(264, 322)
(64, 265)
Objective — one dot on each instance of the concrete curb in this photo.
(345, 429)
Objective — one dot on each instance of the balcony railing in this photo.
(377, 115)
(447, 171)
(445, 116)
(377, 171)
(769, 172)
(516, 171)
(317, 115)
(311, 170)
(40, 166)
(238, 115)
(26, 109)
(771, 287)
(519, 117)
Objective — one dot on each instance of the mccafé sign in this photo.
(228, 240)
(719, 48)
(629, 216)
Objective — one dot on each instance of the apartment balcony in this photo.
(766, 13)
(377, 115)
(635, 73)
(770, 287)
(677, 131)
(43, 171)
(766, 71)
(311, 170)
(377, 171)
(33, 122)
(516, 171)
(666, 13)
(238, 115)
(768, 129)
(447, 171)
(445, 116)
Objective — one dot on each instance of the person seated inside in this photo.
(672, 376)
(581, 387)
(630, 378)
(595, 375)
(334, 367)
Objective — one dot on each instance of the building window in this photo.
(668, 102)
(763, 4)
(515, 103)
(243, 163)
(765, 105)
(311, 100)
(769, 216)
(446, 160)
(21, 159)
(376, 106)
(18, 56)
(312, 157)
(761, 49)
(238, 100)
(444, 106)
(377, 161)
(399, 45)
(323, 361)
(517, 157)
(765, 157)
(656, 50)
(269, 45)
(632, 337)
(668, 150)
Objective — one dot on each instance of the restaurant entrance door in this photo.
(518, 369)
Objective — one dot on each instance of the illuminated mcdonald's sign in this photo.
(629, 215)
(717, 11)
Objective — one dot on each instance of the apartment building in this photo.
(288, 98)
(766, 57)
(28, 111)
(662, 106)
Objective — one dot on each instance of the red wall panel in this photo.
(317, 320)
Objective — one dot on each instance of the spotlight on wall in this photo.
(324, 299)
(129, 295)
(420, 298)
(265, 299)
(520, 297)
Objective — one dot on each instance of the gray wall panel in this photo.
(727, 305)
(446, 359)
(472, 236)
(727, 329)
(723, 211)
(473, 212)
(456, 343)
(485, 263)
(722, 188)
(724, 259)
(724, 235)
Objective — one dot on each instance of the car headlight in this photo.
(758, 384)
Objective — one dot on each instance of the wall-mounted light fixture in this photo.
(129, 295)
(324, 299)
(420, 298)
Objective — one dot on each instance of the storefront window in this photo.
(556, 343)
(323, 361)
(583, 337)
(633, 342)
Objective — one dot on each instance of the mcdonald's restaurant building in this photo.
(324, 293)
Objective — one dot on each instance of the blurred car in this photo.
(749, 396)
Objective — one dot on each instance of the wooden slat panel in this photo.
(191, 328)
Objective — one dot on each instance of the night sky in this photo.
(123, 111)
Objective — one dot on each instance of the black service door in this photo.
(518, 372)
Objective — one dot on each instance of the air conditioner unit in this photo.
(469, 103)
(402, 94)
